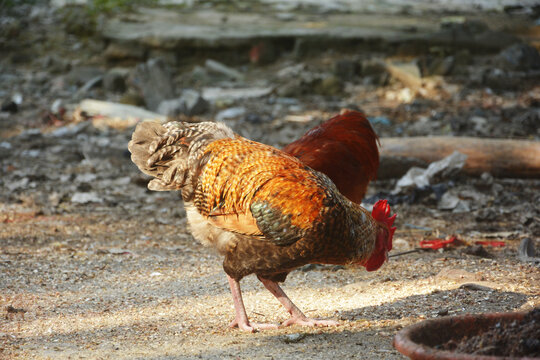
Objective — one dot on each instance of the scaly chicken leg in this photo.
(241, 319)
(297, 316)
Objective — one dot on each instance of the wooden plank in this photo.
(500, 157)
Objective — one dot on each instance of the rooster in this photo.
(265, 211)
(345, 149)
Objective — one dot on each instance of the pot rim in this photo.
(404, 344)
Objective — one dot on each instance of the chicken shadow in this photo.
(441, 303)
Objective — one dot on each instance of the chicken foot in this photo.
(297, 316)
(241, 320)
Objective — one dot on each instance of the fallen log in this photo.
(499, 157)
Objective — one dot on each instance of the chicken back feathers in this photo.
(345, 149)
(266, 211)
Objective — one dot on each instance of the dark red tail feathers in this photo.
(345, 148)
(381, 212)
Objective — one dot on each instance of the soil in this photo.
(514, 339)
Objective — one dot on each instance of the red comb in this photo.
(381, 212)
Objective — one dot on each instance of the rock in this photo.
(154, 80)
(213, 94)
(19, 184)
(480, 124)
(190, 103)
(115, 80)
(57, 106)
(486, 179)
(527, 252)
(223, 69)
(230, 113)
(5, 145)
(116, 110)
(448, 202)
(294, 338)
(124, 50)
(86, 197)
(519, 57)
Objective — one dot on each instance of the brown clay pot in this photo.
(418, 341)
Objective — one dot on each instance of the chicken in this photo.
(265, 211)
(345, 149)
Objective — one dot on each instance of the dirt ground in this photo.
(95, 266)
(115, 284)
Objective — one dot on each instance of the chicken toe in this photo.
(297, 316)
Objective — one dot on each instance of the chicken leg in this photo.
(241, 320)
(297, 316)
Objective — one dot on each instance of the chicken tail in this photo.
(173, 152)
(345, 149)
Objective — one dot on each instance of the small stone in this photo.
(442, 312)
(86, 197)
(486, 178)
(230, 113)
(57, 106)
(294, 338)
(448, 202)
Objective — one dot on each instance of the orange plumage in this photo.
(265, 211)
(345, 149)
